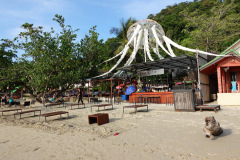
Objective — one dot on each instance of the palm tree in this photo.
(121, 33)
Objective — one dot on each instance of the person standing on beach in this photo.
(134, 84)
(80, 95)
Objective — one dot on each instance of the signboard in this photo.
(151, 72)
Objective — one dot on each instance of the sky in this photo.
(80, 14)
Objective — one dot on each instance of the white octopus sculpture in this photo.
(144, 34)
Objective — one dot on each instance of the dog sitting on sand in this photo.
(212, 127)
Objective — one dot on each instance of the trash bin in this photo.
(125, 97)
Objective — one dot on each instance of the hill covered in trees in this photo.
(209, 25)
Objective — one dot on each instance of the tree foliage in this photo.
(92, 51)
(121, 34)
(213, 28)
(7, 53)
(55, 59)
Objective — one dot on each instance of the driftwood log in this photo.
(212, 127)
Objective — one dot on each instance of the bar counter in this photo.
(152, 97)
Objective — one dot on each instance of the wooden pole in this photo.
(88, 91)
(118, 89)
(111, 90)
(198, 72)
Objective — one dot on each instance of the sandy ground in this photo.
(160, 133)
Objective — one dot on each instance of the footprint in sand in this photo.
(37, 148)
(4, 141)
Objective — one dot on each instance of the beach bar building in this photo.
(221, 76)
(168, 65)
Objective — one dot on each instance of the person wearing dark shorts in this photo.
(80, 95)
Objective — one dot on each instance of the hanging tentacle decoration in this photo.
(135, 41)
(146, 45)
(135, 49)
(170, 49)
(129, 61)
(112, 57)
(155, 50)
(118, 62)
(188, 49)
(133, 55)
(145, 54)
(124, 52)
(158, 41)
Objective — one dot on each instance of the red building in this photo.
(224, 76)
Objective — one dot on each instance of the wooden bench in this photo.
(52, 104)
(53, 114)
(100, 118)
(29, 111)
(135, 107)
(67, 104)
(9, 110)
(102, 105)
(208, 107)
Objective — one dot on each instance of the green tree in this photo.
(7, 53)
(92, 52)
(55, 60)
(121, 34)
(210, 30)
(110, 46)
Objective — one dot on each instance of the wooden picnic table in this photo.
(53, 114)
(9, 110)
(102, 105)
(74, 104)
(135, 107)
(208, 107)
(29, 111)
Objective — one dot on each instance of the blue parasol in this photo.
(129, 90)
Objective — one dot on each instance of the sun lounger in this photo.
(9, 110)
(53, 114)
(102, 105)
(208, 107)
(29, 111)
(135, 107)
(75, 104)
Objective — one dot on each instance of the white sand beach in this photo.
(160, 133)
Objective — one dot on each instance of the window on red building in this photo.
(233, 76)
